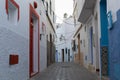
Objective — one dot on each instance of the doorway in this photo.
(33, 42)
(79, 56)
(48, 52)
(62, 55)
(68, 55)
(91, 44)
(51, 54)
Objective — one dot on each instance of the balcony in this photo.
(86, 11)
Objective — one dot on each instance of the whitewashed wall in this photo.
(60, 44)
(49, 29)
(43, 47)
(85, 48)
(67, 30)
(14, 39)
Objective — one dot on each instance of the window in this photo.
(109, 16)
(53, 38)
(47, 37)
(53, 17)
(84, 42)
(66, 50)
(35, 4)
(74, 22)
(50, 7)
(47, 7)
(43, 1)
(81, 41)
(40, 36)
(58, 26)
(62, 37)
(12, 10)
(85, 28)
(74, 45)
(50, 37)
(43, 28)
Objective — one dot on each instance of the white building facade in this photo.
(50, 31)
(23, 27)
(13, 34)
(87, 32)
(93, 34)
(64, 33)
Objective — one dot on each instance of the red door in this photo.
(31, 48)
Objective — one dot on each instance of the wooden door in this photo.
(31, 47)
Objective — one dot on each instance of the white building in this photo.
(50, 32)
(23, 29)
(92, 34)
(87, 32)
(64, 33)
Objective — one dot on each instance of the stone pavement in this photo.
(65, 71)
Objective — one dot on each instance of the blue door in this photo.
(91, 44)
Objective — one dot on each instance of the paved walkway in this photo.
(65, 71)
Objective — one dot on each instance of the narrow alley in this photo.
(65, 71)
(59, 39)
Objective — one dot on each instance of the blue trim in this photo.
(104, 28)
(104, 24)
(110, 21)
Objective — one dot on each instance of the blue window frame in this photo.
(109, 16)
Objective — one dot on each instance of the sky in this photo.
(61, 7)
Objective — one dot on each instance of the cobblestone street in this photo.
(65, 71)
